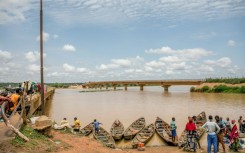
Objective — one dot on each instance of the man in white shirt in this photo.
(212, 130)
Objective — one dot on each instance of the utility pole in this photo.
(41, 55)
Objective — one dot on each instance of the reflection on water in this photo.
(128, 106)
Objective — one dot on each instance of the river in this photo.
(129, 105)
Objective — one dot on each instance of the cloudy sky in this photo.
(95, 40)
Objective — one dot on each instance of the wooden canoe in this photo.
(104, 137)
(117, 130)
(134, 128)
(200, 120)
(144, 135)
(87, 129)
(163, 129)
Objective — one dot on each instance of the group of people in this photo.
(30, 87)
(77, 125)
(217, 130)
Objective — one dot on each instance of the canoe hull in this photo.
(117, 130)
(163, 130)
(134, 128)
(105, 138)
(144, 135)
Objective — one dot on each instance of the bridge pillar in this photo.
(125, 87)
(141, 87)
(166, 87)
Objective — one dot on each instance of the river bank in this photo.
(219, 88)
(63, 142)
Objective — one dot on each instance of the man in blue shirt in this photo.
(96, 126)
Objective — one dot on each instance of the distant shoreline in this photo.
(219, 88)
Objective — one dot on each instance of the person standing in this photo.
(228, 125)
(96, 126)
(191, 135)
(173, 129)
(212, 132)
(220, 135)
(197, 133)
(234, 136)
(240, 123)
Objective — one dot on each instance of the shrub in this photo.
(205, 88)
(192, 89)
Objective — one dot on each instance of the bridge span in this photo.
(141, 83)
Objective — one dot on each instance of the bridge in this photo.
(141, 83)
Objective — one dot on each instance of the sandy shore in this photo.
(90, 145)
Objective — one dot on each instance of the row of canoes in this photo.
(140, 133)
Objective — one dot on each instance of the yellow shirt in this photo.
(14, 98)
(77, 124)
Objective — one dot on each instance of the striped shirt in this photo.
(212, 127)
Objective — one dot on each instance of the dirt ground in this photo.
(70, 143)
(90, 145)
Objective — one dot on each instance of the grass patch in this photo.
(37, 143)
(220, 89)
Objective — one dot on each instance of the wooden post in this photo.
(141, 87)
(23, 107)
(125, 87)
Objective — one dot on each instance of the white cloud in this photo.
(129, 71)
(181, 55)
(34, 68)
(231, 43)
(205, 68)
(69, 48)
(154, 64)
(99, 11)
(5, 56)
(177, 66)
(169, 72)
(53, 74)
(107, 66)
(33, 56)
(82, 70)
(222, 62)
(13, 11)
(163, 50)
(45, 37)
(121, 62)
(171, 59)
(68, 68)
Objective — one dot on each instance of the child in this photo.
(173, 129)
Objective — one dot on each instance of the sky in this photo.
(97, 40)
